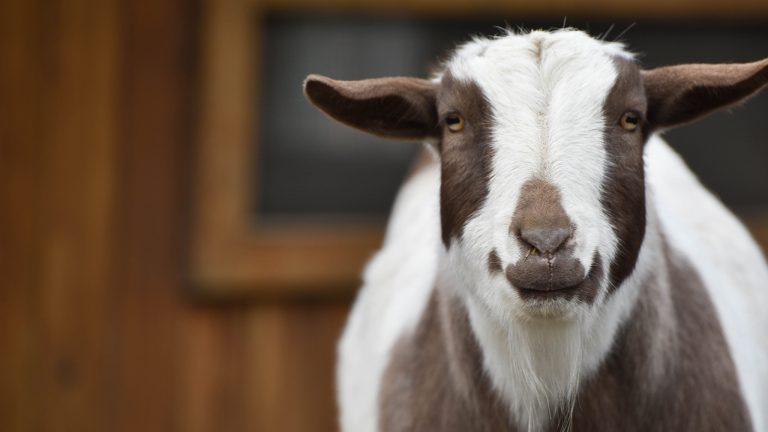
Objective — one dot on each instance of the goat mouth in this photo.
(584, 290)
(550, 294)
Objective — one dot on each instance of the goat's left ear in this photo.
(682, 93)
(394, 107)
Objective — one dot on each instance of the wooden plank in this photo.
(96, 331)
(20, 138)
(213, 367)
(292, 353)
(63, 77)
(229, 42)
(178, 365)
(80, 134)
(148, 218)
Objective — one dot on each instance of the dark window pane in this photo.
(310, 166)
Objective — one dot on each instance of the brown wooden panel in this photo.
(147, 304)
(81, 110)
(20, 135)
(212, 369)
(62, 86)
(96, 330)
(292, 350)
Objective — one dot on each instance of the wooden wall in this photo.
(96, 331)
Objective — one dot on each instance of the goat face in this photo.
(540, 138)
(531, 204)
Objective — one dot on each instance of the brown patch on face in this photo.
(548, 267)
(539, 220)
(494, 262)
(624, 184)
(465, 155)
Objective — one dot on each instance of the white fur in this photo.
(396, 286)
(731, 265)
(547, 92)
(548, 124)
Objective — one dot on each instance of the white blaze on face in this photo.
(546, 92)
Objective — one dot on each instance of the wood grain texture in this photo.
(20, 155)
(97, 331)
(233, 257)
(60, 88)
(147, 307)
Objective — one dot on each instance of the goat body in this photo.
(553, 264)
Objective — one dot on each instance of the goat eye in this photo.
(629, 121)
(454, 122)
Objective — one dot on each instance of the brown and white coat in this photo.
(552, 263)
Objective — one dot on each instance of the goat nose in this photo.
(546, 240)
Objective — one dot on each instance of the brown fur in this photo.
(494, 262)
(548, 266)
(395, 107)
(697, 387)
(539, 212)
(669, 370)
(679, 94)
(624, 185)
(435, 380)
(466, 155)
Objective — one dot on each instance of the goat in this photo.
(553, 264)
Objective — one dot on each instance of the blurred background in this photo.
(181, 233)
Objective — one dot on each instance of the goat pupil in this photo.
(455, 123)
(629, 121)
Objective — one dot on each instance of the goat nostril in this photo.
(546, 240)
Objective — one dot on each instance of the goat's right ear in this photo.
(396, 107)
(682, 93)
